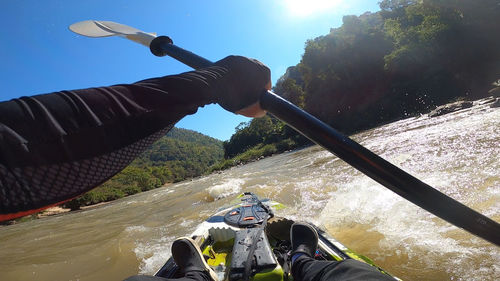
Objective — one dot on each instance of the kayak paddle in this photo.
(367, 162)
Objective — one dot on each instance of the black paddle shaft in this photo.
(372, 165)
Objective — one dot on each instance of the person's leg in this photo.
(304, 268)
(188, 257)
(190, 276)
(304, 240)
(308, 269)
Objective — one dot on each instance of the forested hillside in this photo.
(179, 155)
(182, 154)
(404, 60)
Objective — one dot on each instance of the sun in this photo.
(306, 8)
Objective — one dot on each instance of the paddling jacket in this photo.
(56, 146)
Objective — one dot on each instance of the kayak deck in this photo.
(227, 246)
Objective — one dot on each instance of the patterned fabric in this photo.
(31, 187)
(56, 146)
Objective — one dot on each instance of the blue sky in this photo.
(40, 55)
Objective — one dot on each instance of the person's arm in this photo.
(56, 146)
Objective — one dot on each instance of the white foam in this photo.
(403, 226)
(229, 187)
(136, 228)
(187, 223)
(152, 246)
(153, 254)
(363, 201)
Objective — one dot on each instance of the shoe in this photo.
(187, 255)
(304, 239)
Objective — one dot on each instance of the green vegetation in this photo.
(258, 138)
(379, 67)
(401, 61)
(179, 155)
(258, 132)
(255, 153)
(182, 154)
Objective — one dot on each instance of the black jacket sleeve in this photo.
(56, 146)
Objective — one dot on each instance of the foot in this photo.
(304, 239)
(187, 255)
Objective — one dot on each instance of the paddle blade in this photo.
(95, 29)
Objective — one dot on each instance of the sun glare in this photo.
(305, 8)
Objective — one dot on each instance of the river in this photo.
(458, 153)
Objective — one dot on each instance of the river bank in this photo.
(57, 210)
(52, 211)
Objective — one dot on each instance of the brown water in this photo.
(458, 153)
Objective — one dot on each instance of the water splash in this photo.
(229, 187)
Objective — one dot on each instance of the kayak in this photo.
(248, 232)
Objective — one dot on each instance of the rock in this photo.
(451, 107)
(495, 92)
(486, 100)
(52, 211)
(495, 104)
